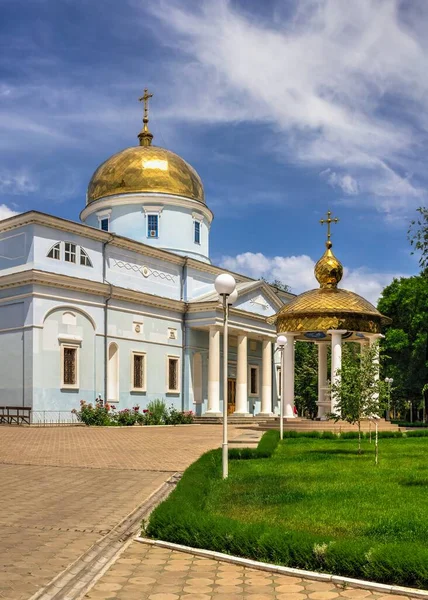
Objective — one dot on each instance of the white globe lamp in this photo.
(281, 340)
(225, 284)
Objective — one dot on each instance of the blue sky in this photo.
(284, 108)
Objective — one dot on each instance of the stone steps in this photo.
(308, 425)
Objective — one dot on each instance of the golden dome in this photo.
(145, 169)
(328, 270)
(328, 307)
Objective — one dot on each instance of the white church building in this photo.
(122, 305)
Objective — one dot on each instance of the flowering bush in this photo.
(90, 414)
(156, 413)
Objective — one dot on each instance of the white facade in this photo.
(86, 312)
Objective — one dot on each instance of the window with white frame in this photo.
(55, 251)
(138, 371)
(84, 258)
(152, 225)
(197, 232)
(254, 380)
(70, 252)
(69, 366)
(173, 374)
(278, 380)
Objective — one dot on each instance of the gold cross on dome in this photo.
(329, 220)
(145, 98)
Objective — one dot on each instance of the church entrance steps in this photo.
(341, 426)
(233, 420)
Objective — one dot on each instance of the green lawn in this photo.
(315, 504)
(324, 487)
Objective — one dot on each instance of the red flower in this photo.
(145, 410)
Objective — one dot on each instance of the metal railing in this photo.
(45, 418)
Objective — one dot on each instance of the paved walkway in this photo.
(62, 488)
(145, 572)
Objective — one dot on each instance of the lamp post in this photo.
(281, 341)
(388, 381)
(225, 286)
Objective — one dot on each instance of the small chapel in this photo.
(122, 306)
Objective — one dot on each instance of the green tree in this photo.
(278, 284)
(418, 236)
(360, 393)
(405, 345)
(306, 378)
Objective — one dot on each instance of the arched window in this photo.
(113, 373)
(84, 258)
(55, 251)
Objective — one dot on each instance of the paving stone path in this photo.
(145, 572)
(63, 488)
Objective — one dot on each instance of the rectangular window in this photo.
(70, 370)
(70, 252)
(197, 232)
(173, 374)
(138, 371)
(152, 226)
(254, 380)
(104, 224)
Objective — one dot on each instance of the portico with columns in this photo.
(252, 381)
(328, 316)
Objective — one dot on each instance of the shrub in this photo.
(417, 433)
(409, 424)
(90, 414)
(126, 416)
(176, 417)
(156, 413)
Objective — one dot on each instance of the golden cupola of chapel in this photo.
(145, 169)
(312, 314)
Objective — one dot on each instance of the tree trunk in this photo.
(359, 437)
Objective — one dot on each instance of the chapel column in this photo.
(266, 408)
(288, 375)
(336, 361)
(241, 377)
(322, 377)
(214, 372)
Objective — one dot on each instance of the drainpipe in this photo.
(183, 298)
(106, 314)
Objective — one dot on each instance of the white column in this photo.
(373, 338)
(214, 372)
(288, 376)
(336, 360)
(241, 377)
(322, 377)
(266, 408)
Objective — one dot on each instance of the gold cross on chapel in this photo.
(329, 220)
(145, 98)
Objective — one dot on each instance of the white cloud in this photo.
(345, 182)
(298, 273)
(344, 89)
(19, 183)
(6, 212)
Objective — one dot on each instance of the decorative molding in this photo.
(143, 269)
(260, 301)
(140, 198)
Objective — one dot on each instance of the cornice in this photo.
(142, 198)
(43, 278)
